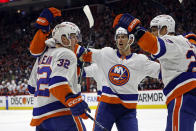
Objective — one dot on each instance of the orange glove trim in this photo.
(117, 18)
(133, 24)
(71, 102)
(42, 21)
(84, 116)
(56, 12)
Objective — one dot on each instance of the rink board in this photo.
(153, 99)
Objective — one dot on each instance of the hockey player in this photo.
(122, 72)
(40, 41)
(53, 81)
(177, 58)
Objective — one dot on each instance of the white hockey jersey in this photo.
(177, 58)
(122, 76)
(94, 71)
(52, 78)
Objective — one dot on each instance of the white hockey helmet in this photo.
(163, 20)
(120, 31)
(65, 28)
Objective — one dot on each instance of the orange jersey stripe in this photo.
(78, 123)
(176, 113)
(181, 90)
(60, 92)
(96, 115)
(37, 45)
(116, 100)
(192, 41)
(148, 43)
(36, 122)
(76, 48)
(98, 98)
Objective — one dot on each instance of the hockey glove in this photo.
(77, 106)
(130, 23)
(126, 21)
(46, 17)
(190, 36)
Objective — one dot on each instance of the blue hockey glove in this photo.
(77, 105)
(46, 17)
(126, 21)
(130, 23)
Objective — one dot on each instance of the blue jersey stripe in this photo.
(179, 79)
(127, 57)
(57, 79)
(31, 89)
(128, 97)
(81, 51)
(48, 108)
(162, 49)
(99, 93)
(84, 73)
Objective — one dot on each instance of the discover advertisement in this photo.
(153, 99)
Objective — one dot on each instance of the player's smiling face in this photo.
(122, 41)
(65, 40)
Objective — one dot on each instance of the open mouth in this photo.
(120, 44)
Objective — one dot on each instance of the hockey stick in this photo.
(96, 122)
(89, 16)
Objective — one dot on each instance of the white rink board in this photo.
(146, 100)
(3, 103)
(151, 97)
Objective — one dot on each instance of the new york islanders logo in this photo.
(119, 75)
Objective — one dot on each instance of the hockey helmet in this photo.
(65, 28)
(163, 20)
(120, 31)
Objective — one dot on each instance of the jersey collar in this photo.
(124, 57)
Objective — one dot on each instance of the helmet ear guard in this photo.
(131, 36)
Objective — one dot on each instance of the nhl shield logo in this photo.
(119, 75)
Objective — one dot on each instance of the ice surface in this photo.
(18, 120)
